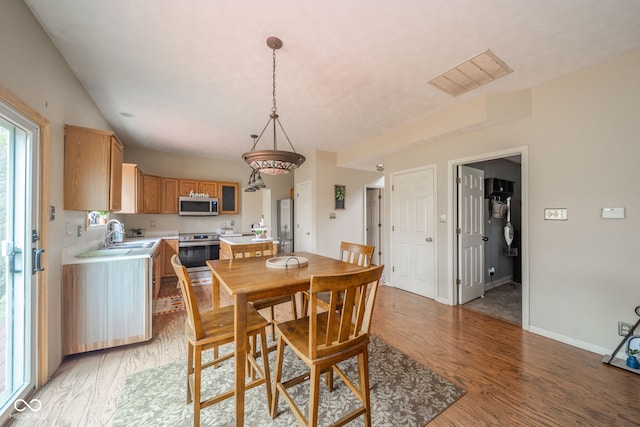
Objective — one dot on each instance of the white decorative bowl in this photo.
(287, 262)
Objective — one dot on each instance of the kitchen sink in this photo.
(118, 249)
(131, 245)
(105, 252)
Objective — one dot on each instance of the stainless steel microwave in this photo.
(197, 206)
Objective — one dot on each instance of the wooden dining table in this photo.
(249, 279)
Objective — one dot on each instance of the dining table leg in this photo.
(240, 332)
(215, 304)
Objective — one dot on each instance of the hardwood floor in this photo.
(512, 377)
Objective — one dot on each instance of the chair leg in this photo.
(328, 379)
(273, 326)
(305, 304)
(196, 386)
(253, 348)
(277, 377)
(314, 395)
(294, 308)
(363, 361)
(215, 356)
(265, 363)
(189, 370)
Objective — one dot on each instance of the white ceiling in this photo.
(194, 76)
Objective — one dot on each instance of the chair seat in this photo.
(218, 325)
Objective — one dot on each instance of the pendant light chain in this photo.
(271, 161)
(274, 109)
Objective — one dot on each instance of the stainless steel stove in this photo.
(195, 249)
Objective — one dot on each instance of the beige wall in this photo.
(583, 153)
(349, 222)
(33, 70)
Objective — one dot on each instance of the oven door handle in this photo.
(195, 244)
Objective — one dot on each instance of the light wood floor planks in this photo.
(512, 377)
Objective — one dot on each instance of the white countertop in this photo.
(70, 255)
(240, 239)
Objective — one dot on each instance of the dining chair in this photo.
(264, 249)
(353, 253)
(323, 339)
(210, 329)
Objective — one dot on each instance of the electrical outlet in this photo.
(624, 328)
(492, 271)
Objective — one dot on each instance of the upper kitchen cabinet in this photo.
(229, 195)
(208, 187)
(187, 186)
(151, 200)
(191, 186)
(92, 170)
(169, 196)
(132, 177)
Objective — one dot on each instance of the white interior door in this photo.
(470, 233)
(303, 218)
(414, 232)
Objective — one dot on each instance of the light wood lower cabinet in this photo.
(170, 247)
(106, 304)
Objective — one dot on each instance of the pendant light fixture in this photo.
(273, 162)
(255, 179)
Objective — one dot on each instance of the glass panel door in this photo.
(18, 207)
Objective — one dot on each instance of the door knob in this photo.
(429, 239)
(485, 238)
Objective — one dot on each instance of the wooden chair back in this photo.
(248, 250)
(189, 297)
(348, 319)
(354, 253)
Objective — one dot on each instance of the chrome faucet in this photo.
(112, 227)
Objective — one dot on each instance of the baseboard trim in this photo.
(568, 340)
(497, 282)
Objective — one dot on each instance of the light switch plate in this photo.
(555, 214)
(613, 213)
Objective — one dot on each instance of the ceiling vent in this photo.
(479, 70)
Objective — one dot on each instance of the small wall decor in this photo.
(340, 193)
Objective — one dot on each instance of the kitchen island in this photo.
(227, 240)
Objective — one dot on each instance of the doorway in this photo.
(504, 288)
(373, 221)
(303, 239)
(19, 221)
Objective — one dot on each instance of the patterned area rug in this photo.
(403, 392)
(170, 304)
